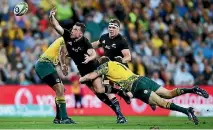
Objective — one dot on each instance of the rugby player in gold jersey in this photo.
(142, 87)
(45, 69)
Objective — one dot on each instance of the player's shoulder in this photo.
(121, 37)
(106, 35)
(84, 39)
(60, 39)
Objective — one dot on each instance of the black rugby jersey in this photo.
(76, 49)
(113, 47)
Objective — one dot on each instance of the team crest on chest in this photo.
(76, 49)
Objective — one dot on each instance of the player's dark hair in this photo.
(104, 59)
(115, 21)
(82, 25)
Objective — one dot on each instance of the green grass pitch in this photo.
(105, 122)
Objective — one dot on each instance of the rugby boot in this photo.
(67, 121)
(191, 115)
(200, 91)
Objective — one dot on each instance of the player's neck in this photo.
(77, 39)
(112, 37)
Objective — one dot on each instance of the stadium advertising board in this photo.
(35, 96)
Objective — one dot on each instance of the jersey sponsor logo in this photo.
(110, 47)
(76, 49)
(107, 47)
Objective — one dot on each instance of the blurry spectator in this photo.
(171, 66)
(12, 78)
(64, 12)
(3, 58)
(29, 40)
(182, 77)
(47, 4)
(136, 66)
(3, 77)
(180, 8)
(33, 77)
(4, 9)
(15, 33)
(156, 41)
(22, 80)
(91, 24)
(155, 77)
(207, 73)
(196, 73)
(43, 23)
(199, 57)
(210, 82)
(209, 40)
(31, 22)
(182, 61)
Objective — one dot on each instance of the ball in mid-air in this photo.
(20, 9)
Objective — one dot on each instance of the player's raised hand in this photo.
(87, 59)
(53, 11)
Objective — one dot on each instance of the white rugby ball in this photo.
(20, 9)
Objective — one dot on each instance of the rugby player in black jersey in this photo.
(116, 48)
(82, 53)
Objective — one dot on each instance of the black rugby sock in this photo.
(104, 98)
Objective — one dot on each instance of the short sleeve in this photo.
(102, 69)
(124, 44)
(66, 34)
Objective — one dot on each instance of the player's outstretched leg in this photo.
(168, 94)
(157, 100)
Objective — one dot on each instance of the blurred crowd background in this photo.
(171, 40)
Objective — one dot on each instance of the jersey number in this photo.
(122, 66)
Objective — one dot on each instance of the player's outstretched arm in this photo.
(101, 70)
(55, 23)
(95, 44)
(62, 60)
(89, 77)
(127, 55)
